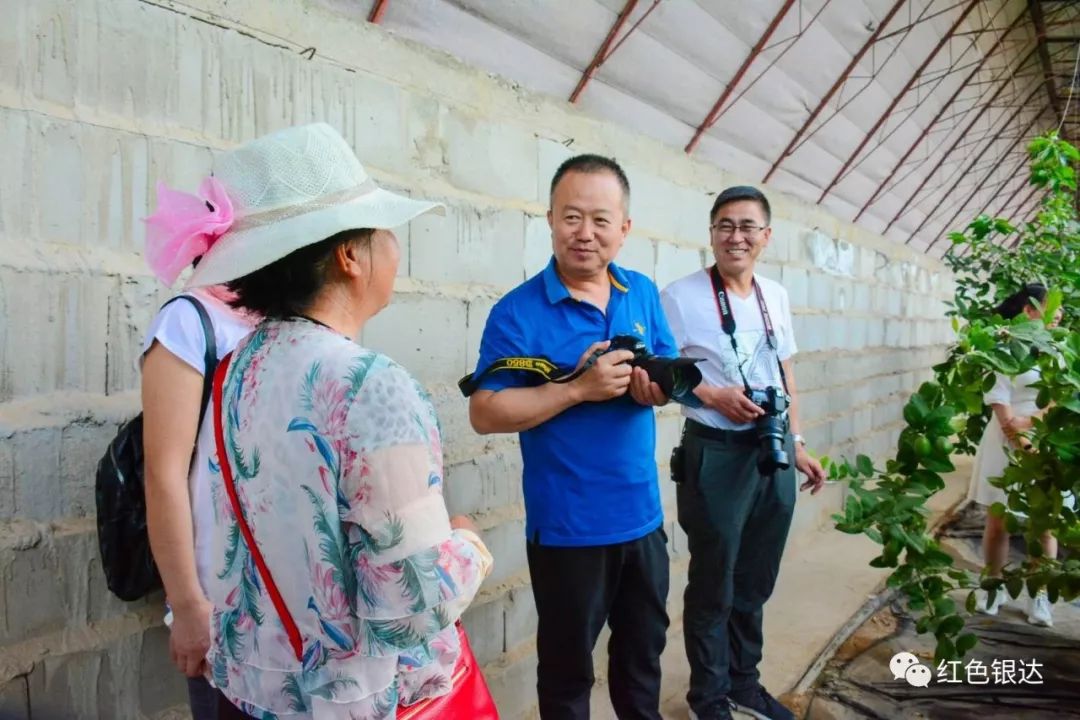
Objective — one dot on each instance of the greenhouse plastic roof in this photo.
(906, 116)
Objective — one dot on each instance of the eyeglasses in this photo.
(749, 231)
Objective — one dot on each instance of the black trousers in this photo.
(577, 590)
(203, 699)
(227, 711)
(737, 521)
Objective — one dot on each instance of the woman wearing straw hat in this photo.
(338, 574)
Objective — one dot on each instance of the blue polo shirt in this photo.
(590, 472)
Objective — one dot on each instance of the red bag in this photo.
(469, 697)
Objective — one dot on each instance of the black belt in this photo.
(730, 437)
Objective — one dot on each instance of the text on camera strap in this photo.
(727, 322)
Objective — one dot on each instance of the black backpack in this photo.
(119, 493)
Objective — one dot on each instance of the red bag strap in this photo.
(230, 488)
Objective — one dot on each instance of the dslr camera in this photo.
(677, 377)
(771, 428)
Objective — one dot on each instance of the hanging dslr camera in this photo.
(771, 428)
(677, 377)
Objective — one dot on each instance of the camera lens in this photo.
(771, 429)
(681, 384)
(772, 457)
(677, 377)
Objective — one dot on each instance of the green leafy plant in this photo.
(991, 259)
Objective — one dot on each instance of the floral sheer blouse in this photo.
(337, 459)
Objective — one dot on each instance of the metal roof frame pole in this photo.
(1027, 198)
(836, 86)
(1008, 201)
(1035, 210)
(606, 50)
(1036, 11)
(1030, 216)
(1021, 206)
(599, 58)
(981, 183)
(896, 100)
(1009, 77)
(1000, 187)
(759, 46)
(1016, 171)
(941, 161)
(945, 226)
(997, 164)
(926, 131)
(1014, 182)
(377, 11)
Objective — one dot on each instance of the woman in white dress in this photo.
(174, 361)
(1013, 404)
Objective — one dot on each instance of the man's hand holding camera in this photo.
(644, 390)
(608, 378)
(612, 376)
(731, 402)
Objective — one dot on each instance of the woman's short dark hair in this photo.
(1013, 305)
(288, 286)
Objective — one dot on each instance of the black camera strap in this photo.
(727, 322)
(538, 365)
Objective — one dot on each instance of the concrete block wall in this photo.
(99, 99)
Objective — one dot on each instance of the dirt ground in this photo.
(826, 594)
(824, 582)
(857, 682)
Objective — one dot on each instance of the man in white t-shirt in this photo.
(736, 465)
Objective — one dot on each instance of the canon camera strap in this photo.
(727, 322)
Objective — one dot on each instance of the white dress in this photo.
(178, 328)
(991, 459)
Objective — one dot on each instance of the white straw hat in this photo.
(294, 188)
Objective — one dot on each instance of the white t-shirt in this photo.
(178, 328)
(691, 309)
(1017, 393)
(991, 458)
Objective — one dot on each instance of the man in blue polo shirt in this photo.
(596, 549)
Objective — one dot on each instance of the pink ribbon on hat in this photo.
(185, 227)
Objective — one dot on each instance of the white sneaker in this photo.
(1039, 610)
(981, 605)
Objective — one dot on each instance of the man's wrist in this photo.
(572, 392)
(799, 440)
